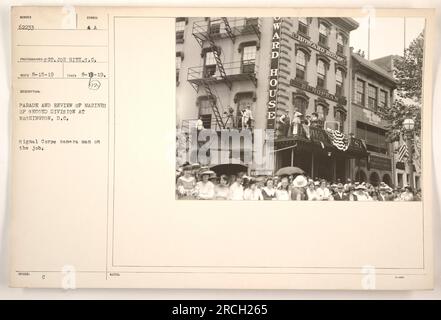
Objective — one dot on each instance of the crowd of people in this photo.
(206, 185)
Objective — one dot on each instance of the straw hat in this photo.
(300, 182)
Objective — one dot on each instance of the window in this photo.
(383, 98)
(215, 28)
(340, 44)
(321, 74)
(178, 67)
(340, 117)
(374, 137)
(300, 104)
(339, 83)
(209, 64)
(300, 65)
(321, 111)
(178, 62)
(249, 59)
(323, 35)
(400, 179)
(372, 97)
(360, 92)
(303, 26)
(249, 22)
(205, 111)
(180, 26)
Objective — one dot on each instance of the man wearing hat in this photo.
(298, 188)
(340, 195)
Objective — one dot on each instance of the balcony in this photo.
(231, 121)
(216, 28)
(319, 140)
(234, 71)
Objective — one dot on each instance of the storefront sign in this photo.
(320, 92)
(378, 163)
(274, 74)
(315, 46)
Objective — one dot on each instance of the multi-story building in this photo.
(372, 87)
(275, 66)
(400, 166)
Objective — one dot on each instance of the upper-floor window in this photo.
(372, 97)
(300, 104)
(322, 112)
(374, 137)
(321, 74)
(300, 65)
(215, 27)
(180, 25)
(209, 64)
(249, 59)
(360, 92)
(340, 43)
(340, 117)
(303, 26)
(339, 83)
(383, 98)
(178, 62)
(323, 34)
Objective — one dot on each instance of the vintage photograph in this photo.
(299, 108)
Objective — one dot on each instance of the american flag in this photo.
(403, 152)
(338, 139)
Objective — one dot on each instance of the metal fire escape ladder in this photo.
(228, 29)
(216, 53)
(212, 99)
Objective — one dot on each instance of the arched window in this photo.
(360, 176)
(323, 34)
(300, 104)
(321, 74)
(339, 83)
(300, 65)
(322, 112)
(374, 179)
(387, 179)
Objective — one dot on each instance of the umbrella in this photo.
(229, 168)
(287, 171)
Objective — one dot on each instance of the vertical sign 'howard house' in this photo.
(274, 77)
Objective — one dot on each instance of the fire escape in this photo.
(207, 36)
(206, 32)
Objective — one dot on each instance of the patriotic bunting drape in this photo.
(338, 139)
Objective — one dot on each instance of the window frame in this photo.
(362, 93)
(300, 67)
(303, 24)
(372, 98)
(324, 38)
(320, 76)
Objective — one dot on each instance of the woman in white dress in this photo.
(283, 192)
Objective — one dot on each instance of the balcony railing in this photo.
(215, 27)
(318, 136)
(234, 71)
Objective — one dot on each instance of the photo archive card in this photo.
(172, 148)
